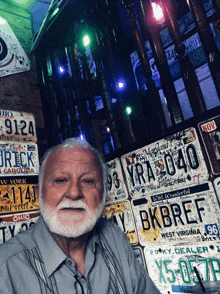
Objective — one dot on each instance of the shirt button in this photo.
(69, 262)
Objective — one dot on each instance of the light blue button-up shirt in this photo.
(17, 274)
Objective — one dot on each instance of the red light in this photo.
(158, 12)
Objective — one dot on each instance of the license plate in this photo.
(192, 43)
(17, 126)
(116, 187)
(11, 225)
(121, 215)
(210, 133)
(184, 215)
(18, 158)
(171, 54)
(172, 267)
(173, 162)
(18, 195)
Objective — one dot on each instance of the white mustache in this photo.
(72, 204)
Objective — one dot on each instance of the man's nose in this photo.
(74, 191)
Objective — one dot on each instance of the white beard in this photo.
(62, 224)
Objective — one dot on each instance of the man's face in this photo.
(72, 191)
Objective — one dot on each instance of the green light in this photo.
(86, 40)
(128, 110)
(55, 12)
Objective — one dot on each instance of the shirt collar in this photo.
(93, 240)
(51, 253)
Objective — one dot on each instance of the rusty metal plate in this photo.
(17, 126)
(121, 214)
(116, 184)
(170, 163)
(18, 159)
(11, 225)
(210, 133)
(17, 194)
(186, 215)
(172, 267)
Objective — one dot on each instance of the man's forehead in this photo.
(75, 152)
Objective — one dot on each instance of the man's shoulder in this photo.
(111, 231)
(109, 226)
(17, 244)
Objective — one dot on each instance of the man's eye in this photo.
(61, 180)
(88, 181)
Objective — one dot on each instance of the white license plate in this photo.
(11, 225)
(184, 215)
(170, 163)
(18, 158)
(17, 126)
(172, 267)
(115, 182)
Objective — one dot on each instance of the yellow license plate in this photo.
(121, 214)
(18, 198)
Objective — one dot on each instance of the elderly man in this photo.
(70, 249)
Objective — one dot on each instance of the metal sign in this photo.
(172, 267)
(189, 214)
(17, 126)
(11, 225)
(17, 194)
(139, 254)
(210, 132)
(121, 214)
(192, 43)
(13, 59)
(116, 183)
(18, 159)
(170, 163)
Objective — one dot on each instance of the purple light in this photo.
(120, 85)
(61, 70)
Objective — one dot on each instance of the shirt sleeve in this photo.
(141, 282)
(6, 286)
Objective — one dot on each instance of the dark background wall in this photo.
(20, 92)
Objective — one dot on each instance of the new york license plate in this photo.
(18, 194)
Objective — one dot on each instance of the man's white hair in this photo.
(71, 143)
